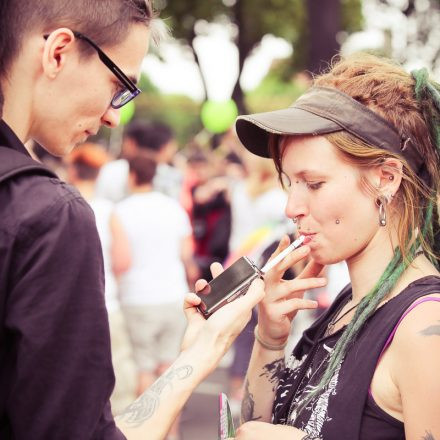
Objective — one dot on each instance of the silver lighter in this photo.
(236, 279)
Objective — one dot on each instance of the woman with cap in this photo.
(359, 155)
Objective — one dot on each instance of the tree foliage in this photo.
(252, 20)
(419, 35)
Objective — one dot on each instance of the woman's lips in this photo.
(307, 239)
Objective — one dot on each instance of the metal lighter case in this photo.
(229, 285)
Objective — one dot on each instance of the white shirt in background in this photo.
(103, 210)
(248, 214)
(155, 225)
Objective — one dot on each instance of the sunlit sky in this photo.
(177, 72)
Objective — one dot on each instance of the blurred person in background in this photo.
(66, 68)
(152, 290)
(154, 139)
(209, 212)
(83, 166)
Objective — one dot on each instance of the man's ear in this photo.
(58, 45)
(387, 177)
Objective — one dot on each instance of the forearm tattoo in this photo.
(428, 436)
(147, 404)
(248, 405)
(273, 372)
(432, 330)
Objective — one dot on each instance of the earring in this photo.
(295, 220)
(337, 221)
(380, 203)
(391, 177)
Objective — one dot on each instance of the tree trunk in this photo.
(196, 59)
(243, 52)
(324, 18)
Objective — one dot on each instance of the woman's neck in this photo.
(367, 266)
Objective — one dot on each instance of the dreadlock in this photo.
(427, 93)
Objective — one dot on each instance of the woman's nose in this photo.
(296, 206)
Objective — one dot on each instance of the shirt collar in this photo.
(10, 140)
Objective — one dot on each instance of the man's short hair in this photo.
(106, 22)
(143, 168)
(150, 136)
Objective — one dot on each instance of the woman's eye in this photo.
(314, 185)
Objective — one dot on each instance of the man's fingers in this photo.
(189, 305)
(254, 295)
(191, 300)
(200, 284)
(216, 269)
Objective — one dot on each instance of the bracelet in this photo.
(265, 344)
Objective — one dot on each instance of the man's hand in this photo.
(225, 324)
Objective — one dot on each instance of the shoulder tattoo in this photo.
(431, 330)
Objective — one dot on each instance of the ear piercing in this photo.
(391, 177)
(381, 201)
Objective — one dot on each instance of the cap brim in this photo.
(254, 130)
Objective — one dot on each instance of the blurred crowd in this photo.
(164, 215)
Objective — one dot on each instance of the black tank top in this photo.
(344, 410)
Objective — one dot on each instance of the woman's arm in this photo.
(265, 368)
(275, 314)
(415, 369)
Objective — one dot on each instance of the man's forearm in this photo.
(153, 413)
(261, 380)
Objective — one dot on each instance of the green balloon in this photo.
(217, 117)
(127, 113)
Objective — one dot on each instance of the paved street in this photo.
(200, 416)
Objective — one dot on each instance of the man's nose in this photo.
(111, 117)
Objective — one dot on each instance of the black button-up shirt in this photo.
(56, 374)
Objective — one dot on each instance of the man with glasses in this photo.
(66, 67)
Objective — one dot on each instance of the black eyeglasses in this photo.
(129, 92)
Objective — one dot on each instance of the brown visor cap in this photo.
(323, 110)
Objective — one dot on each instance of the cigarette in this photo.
(271, 263)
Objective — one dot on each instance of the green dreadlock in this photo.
(427, 92)
(424, 90)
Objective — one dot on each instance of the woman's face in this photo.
(327, 199)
